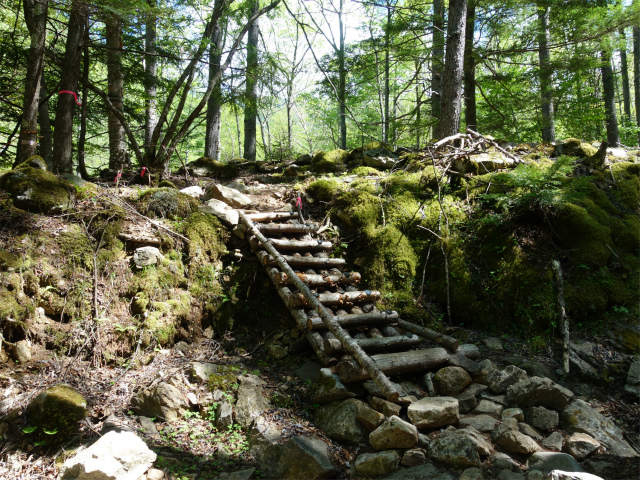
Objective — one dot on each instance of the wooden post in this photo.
(562, 318)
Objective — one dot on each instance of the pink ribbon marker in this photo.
(71, 93)
(299, 202)
(142, 172)
(117, 177)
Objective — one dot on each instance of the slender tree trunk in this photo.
(214, 106)
(82, 167)
(387, 92)
(251, 95)
(35, 13)
(118, 155)
(470, 110)
(235, 110)
(626, 91)
(453, 69)
(150, 86)
(636, 74)
(63, 126)
(546, 89)
(609, 93)
(418, 104)
(342, 87)
(437, 64)
(44, 120)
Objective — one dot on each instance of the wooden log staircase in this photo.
(341, 322)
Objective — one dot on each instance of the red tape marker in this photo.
(71, 93)
(142, 172)
(117, 177)
(299, 202)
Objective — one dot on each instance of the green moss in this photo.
(76, 248)
(627, 184)
(363, 171)
(323, 190)
(207, 238)
(326, 162)
(225, 379)
(38, 191)
(399, 182)
(390, 255)
(10, 308)
(360, 210)
(56, 412)
(8, 260)
(213, 168)
(357, 154)
(167, 184)
(573, 147)
(167, 203)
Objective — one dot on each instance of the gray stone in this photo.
(514, 441)
(489, 408)
(394, 433)
(515, 412)
(486, 367)
(230, 196)
(459, 448)
(509, 475)
(310, 370)
(472, 473)
(251, 400)
(373, 389)
(305, 457)
(469, 350)
(502, 461)
(155, 474)
(553, 441)
(22, 352)
(612, 466)
(531, 431)
(494, 397)
(580, 445)
(537, 369)
(560, 475)
(370, 418)
(226, 214)
(482, 423)
(434, 412)
(548, 461)
(38, 191)
(147, 256)
(200, 372)
(383, 406)
(493, 343)
(414, 457)
(632, 386)
(339, 422)
(263, 438)
(162, 401)
(329, 388)
(500, 380)
(194, 191)
(536, 475)
(377, 464)
(580, 417)
(459, 360)
(224, 414)
(148, 427)
(542, 418)
(116, 455)
(467, 401)
(451, 380)
(244, 474)
(59, 407)
(536, 391)
(241, 187)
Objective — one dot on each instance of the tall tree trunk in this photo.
(453, 69)
(470, 110)
(636, 73)
(626, 91)
(418, 103)
(63, 126)
(387, 90)
(437, 64)
(35, 14)
(82, 166)
(251, 95)
(44, 120)
(609, 93)
(118, 155)
(214, 106)
(342, 87)
(546, 89)
(150, 86)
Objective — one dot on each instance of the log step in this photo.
(355, 320)
(307, 262)
(346, 278)
(378, 344)
(282, 228)
(335, 298)
(283, 244)
(268, 216)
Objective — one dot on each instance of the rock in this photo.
(370, 418)
(536, 391)
(329, 388)
(612, 466)
(517, 442)
(536, 475)
(451, 380)
(221, 210)
(548, 461)
(472, 473)
(263, 440)
(509, 475)
(560, 475)
(155, 474)
(573, 148)
(388, 409)
(530, 431)
(632, 386)
(304, 160)
(195, 191)
(582, 359)
(492, 343)
(380, 158)
(244, 474)
(59, 408)
(162, 401)
(421, 472)
(305, 457)
(537, 369)
(505, 426)
(492, 397)
(414, 457)
(209, 167)
(377, 464)
(224, 414)
(515, 412)
(469, 350)
(434, 412)
(116, 455)
(489, 408)
(553, 441)
(580, 445)
(482, 423)
(373, 389)
(22, 352)
(500, 380)
(394, 433)
(470, 366)
(148, 427)
(230, 196)
(310, 370)
(542, 418)
(459, 448)
(467, 401)
(486, 367)
(241, 187)
(200, 372)
(278, 351)
(147, 256)
(251, 400)
(502, 461)
(339, 421)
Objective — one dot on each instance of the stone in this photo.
(612, 466)
(230, 196)
(224, 414)
(493, 397)
(515, 412)
(434, 412)
(632, 385)
(155, 474)
(469, 350)
(373, 389)
(579, 416)
(148, 427)
(536, 475)
(537, 391)
(22, 352)
(502, 461)
(244, 474)
(414, 457)
(161, 401)
(116, 455)
(580, 445)
(241, 187)
(529, 430)
(548, 461)
(467, 401)
(59, 408)
(305, 457)
(472, 473)
(514, 441)
(226, 214)
(421, 472)
(505, 426)
(560, 475)
(486, 367)
(537, 369)
(451, 380)
(500, 380)
(194, 191)
(394, 433)
(377, 464)
(482, 423)
(263, 439)
(383, 406)
(147, 256)
(251, 400)
(370, 418)
(542, 418)
(459, 448)
(509, 475)
(489, 408)
(459, 360)
(278, 351)
(553, 441)
(200, 372)
(493, 343)
(339, 421)
(573, 147)
(310, 370)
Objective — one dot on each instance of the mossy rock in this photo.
(8, 260)
(167, 184)
(38, 191)
(572, 147)
(627, 187)
(359, 210)
(363, 171)
(225, 379)
(207, 237)
(58, 409)
(390, 255)
(208, 167)
(11, 308)
(323, 190)
(34, 161)
(167, 203)
(356, 155)
(327, 162)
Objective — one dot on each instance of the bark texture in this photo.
(470, 110)
(437, 64)
(214, 106)
(118, 155)
(251, 94)
(609, 92)
(150, 87)
(546, 89)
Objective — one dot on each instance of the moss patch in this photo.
(56, 412)
(167, 203)
(38, 191)
(326, 162)
(323, 190)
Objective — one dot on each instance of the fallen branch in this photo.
(496, 146)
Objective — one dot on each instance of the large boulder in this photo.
(451, 380)
(537, 391)
(224, 212)
(207, 167)
(251, 400)
(162, 401)
(339, 421)
(434, 412)
(460, 448)
(573, 147)
(326, 162)
(548, 461)
(116, 455)
(329, 388)
(500, 380)
(230, 196)
(304, 457)
(394, 433)
(377, 464)
(59, 408)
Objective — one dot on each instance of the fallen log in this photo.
(307, 262)
(282, 244)
(345, 278)
(264, 216)
(394, 363)
(355, 320)
(444, 340)
(317, 343)
(281, 228)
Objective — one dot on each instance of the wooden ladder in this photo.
(320, 291)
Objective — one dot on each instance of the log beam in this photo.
(346, 278)
(282, 228)
(283, 244)
(444, 340)
(356, 320)
(307, 262)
